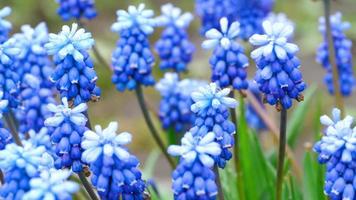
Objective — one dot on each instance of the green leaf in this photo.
(295, 124)
(228, 181)
(150, 164)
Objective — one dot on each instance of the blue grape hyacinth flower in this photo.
(228, 61)
(211, 11)
(174, 48)
(69, 126)
(76, 9)
(193, 178)
(5, 26)
(251, 14)
(20, 164)
(52, 184)
(174, 108)
(336, 149)
(115, 171)
(132, 59)
(211, 107)
(343, 50)
(74, 76)
(278, 74)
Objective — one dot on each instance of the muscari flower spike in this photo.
(20, 165)
(228, 61)
(9, 79)
(76, 9)
(74, 76)
(5, 136)
(52, 184)
(193, 177)
(174, 48)
(115, 171)
(278, 74)
(336, 149)
(5, 26)
(211, 107)
(211, 11)
(132, 59)
(69, 126)
(174, 108)
(251, 14)
(343, 49)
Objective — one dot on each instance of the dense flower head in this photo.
(132, 59)
(74, 76)
(69, 125)
(115, 170)
(76, 9)
(174, 48)
(343, 50)
(20, 164)
(211, 106)
(9, 79)
(336, 149)
(174, 109)
(33, 58)
(228, 61)
(52, 184)
(5, 26)
(211, 11)
(278, 74)
(251, 14)
(253, 119)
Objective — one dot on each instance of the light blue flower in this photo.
(70, 41)
(274, 42)
(337, 25)
(204, 148)
(52, 185)
(224, 36)
(135, 17)
(173, 15)
(64, 112)
(3, 103)
(106, 142)
(211, 96)
(41, 138)
(8, 51)
(280, 18)
(5, 26)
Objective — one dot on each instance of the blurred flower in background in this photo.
(5, 26)
(76, 9)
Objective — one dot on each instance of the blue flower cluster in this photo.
(19, 165)
(193, 178)
(228, 61)
(211, 11)
(74, 75)
(211, 106)
(174, 48)
(115, 171)
(76, 9)
(132, 59)
(5, 26)
(336, 149)
(251, 14)
(174, 108)
(253, 119)
(69, 127)
(5, 136)
(343, 50)
(278, 74)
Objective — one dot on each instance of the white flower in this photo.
(171, 14)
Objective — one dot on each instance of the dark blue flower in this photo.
(174, 48)
(278, 74)
(228, 61)
(132, 59)
(74, 76)
(76, 9)
(5, 26)
(343, 49)
(69, 126)
(115, 171)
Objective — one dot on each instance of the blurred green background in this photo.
(123, 107)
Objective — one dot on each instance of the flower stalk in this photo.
(87, 186)
(218, 183)
(339, 101)
(281, 153)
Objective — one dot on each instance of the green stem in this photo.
(154, 132)
(339, 102)
(87, 186)
(100, 58)
(218, 183)
(281, 153)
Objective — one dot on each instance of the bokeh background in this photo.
(123, 107)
